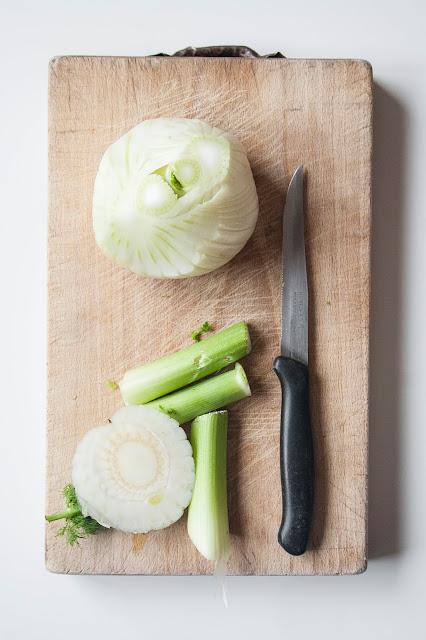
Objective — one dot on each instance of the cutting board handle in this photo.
(221, 51)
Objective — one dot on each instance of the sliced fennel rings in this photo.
(135, 473)
(174, 198)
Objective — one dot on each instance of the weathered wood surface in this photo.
(104, 319)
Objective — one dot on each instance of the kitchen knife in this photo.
(291, 367)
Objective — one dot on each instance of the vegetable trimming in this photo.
(156, 379)
(196, 335)
(208, 525)
(76, 525)
(208, 395)
(174, 198)
(136, 473)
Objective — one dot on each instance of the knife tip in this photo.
(297, 175)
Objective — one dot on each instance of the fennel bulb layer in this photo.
(136, 473)
(174, 198)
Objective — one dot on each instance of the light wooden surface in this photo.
(104, 319)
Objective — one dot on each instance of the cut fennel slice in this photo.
(136, 473)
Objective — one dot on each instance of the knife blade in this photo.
(291, 367)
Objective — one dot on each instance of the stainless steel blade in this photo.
(294, 320)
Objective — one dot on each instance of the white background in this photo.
(387, 601)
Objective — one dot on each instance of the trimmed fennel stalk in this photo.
(206, 396)
(156, 379)
(208, 525)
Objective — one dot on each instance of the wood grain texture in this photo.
(104, 320)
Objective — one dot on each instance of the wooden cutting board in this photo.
(104, 320)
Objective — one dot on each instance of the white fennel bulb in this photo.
(135, 473)
(174, 198)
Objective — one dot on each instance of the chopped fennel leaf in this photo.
(112, 384)
(196, 335)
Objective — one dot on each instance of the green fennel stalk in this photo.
(159, 378)
(208, 525)
(206, 396)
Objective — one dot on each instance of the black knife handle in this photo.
(296, 455)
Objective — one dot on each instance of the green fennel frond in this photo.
(76, 524)
(70, 497)
(78, 527)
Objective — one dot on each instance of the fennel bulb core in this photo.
(174, 198)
